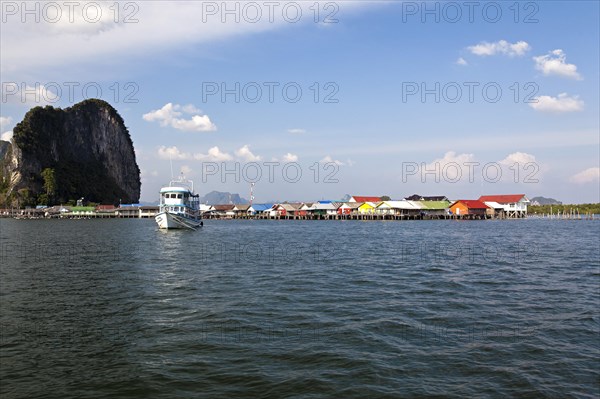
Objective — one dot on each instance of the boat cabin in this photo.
(178, 200)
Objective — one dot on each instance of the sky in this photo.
(313, 100)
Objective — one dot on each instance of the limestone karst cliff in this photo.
(57, 155)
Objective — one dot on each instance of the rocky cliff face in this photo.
(88, 149)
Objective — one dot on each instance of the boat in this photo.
(179, 207)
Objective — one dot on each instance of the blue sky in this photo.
(379, 137)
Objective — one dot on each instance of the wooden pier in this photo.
(38, 214)
(363, 217)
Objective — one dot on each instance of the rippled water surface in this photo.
(116, 308)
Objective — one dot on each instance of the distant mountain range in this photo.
(222, 198)
(544, 201)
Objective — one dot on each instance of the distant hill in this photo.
(222, 198)
(544, 201)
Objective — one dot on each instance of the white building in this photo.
(507, 205)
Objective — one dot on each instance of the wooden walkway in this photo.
(29, 214)
(344, 217)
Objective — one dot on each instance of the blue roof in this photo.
(325, 202)
(262, 207)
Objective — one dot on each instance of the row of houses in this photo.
(357, 207)
(416, 206)
(100, 211)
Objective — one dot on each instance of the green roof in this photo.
(431, 205)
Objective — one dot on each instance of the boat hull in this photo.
(166, 220)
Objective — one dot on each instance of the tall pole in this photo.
(251, 193)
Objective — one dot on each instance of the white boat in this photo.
(179, 207)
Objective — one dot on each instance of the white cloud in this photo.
(289, 157)
(198, 123)
(214, 155)
(453, 167)
(555, 63)
(521, 167)
(562, 103)
(170, 115)
(328, 159)
(521, 158)
(5, 121)
(98, 17)
(42, 96)
(589, 175)
(245, 154)
(31, 96)
(163, 115)
(451, 156)
(296, 131)
(191, 109)
(7, 136)
(172, 153)
(161, 27)
(500, 47)
(461, 61)
(458, 165)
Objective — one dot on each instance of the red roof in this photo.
(366, 199)
(473, 204)
(502, 199)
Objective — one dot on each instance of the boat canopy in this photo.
(174, 190)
